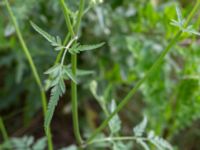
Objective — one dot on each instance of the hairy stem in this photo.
(66, 49)
(74, 65)
(32, 66)
(3, 130)
(58, 58)
(74, 86)
(147, 75)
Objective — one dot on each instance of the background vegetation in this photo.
(135, 32)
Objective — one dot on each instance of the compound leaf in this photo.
(55, 41)
(77, 48)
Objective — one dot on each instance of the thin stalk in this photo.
(74, 65)
(80, 14)
(3, 130)
(67, 18)
(26, 51)
(29, 58)
(66, 49)
(74, 86)
(132, 92)
(58, 58)
(111, 139)
(191, 15)
(32, 66)
(147, 75)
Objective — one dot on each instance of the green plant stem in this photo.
(66, 49)
(74, 65)
(80, 14)
(147, 75)
(74, 86)
(132, 92)
(58, 58)
(111, 139)
(3, 130)
(191, 15)
(32, 66)
(67, 18)
(28, 56)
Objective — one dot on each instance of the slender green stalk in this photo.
(132, 92)
(74, 65)
(3, 130)
(67, 18)
(58, 58)
(191, 15)
(111, 139)
(29, 58)
(147, 75)
(33, 68)
(74, 86)
(80, 14)
(66, 49)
